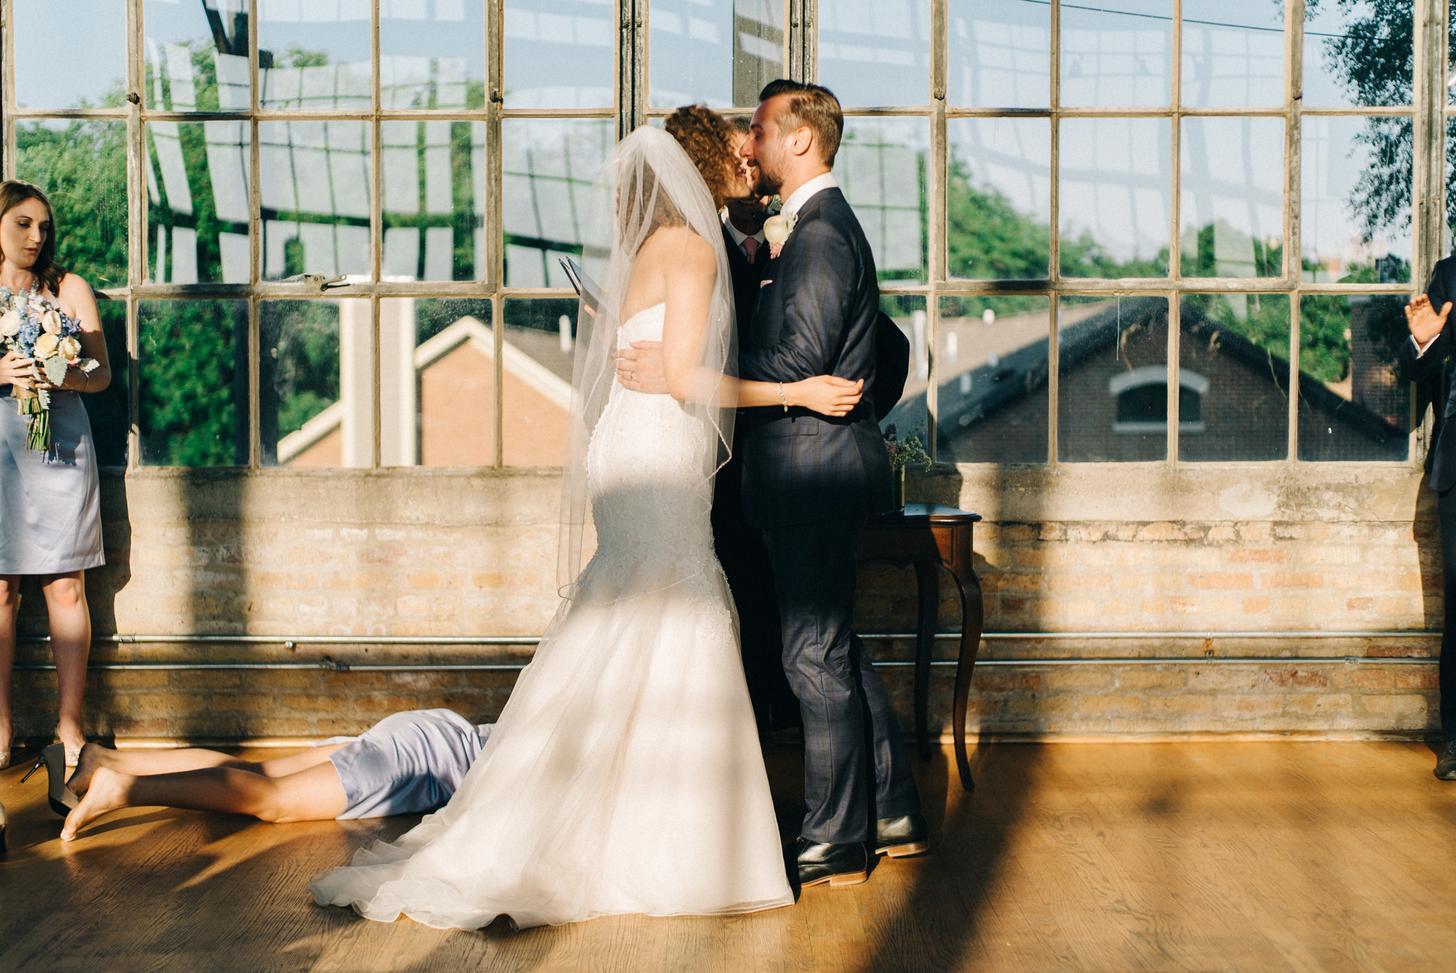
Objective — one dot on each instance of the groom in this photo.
(808, 480)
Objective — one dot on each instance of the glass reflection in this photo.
(315, 180)
(81, 165)
(108, 410)
(192, 382)
(315, 383)
(197, 202)
(536, 380)
(1233, 53)
(437, 380)
(998, 198)
(718, 55)
(999, 55)
(1117, 53)
(548, 169)
(1113, 379)
(1233, 197)
(1355, 215)
(882, 167)
(431, 55)
(875, 52)
(94, 70)
(1357, 52)
(314, 56)
(434, 203)
(1233, 397)
(560, 53)
(1351, 404)
(1116, 191)
(911, 415)
(992, 368)
(197, 55)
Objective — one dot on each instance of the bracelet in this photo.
(783, 399)
(85, 381)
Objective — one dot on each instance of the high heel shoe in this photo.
(2, 829)
(4, 759)
(52, 758)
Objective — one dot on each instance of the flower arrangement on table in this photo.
(904, 452)
(33, 326)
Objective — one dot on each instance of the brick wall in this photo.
(1132, 550)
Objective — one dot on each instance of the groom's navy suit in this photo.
(808, 481)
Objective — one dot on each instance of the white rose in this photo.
(46, 345)
(9, 324)
(70, 349)
(776, 228)
(50, 322)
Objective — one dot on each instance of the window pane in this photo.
(313, 56)
(875, 52)
(1233, 197)
(910, 416)
(717, 54)
(81, 165)
(192, 376)
(1357, 52)
(1356, 214)
(1116, 53)
(560, 55)
(315, 383)
(1233, 53)
(992, 370)
(197, 202)
(434, 200)
(883, 168)
(1233, 356)
(315, 185)
(998, 198)
(197, 55)
(437, 383)
(108, 409)
(999, 55)
(1116, 191)
(61, 64)
(548, 166)
(1351, 404)
(536, 380)
(1113, 385)
(431, 55)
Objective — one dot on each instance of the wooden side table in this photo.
(928, 537)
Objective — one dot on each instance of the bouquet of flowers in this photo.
(905, 452)
(32, 326)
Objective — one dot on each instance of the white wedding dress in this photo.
(624, 774)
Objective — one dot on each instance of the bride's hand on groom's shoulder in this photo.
(826, 394)
(639, 368)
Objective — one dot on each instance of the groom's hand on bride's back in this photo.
(639, 368)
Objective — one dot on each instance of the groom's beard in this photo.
(767, 185)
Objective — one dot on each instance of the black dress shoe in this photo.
(820, 862)
(1446, 762)
(902, 837)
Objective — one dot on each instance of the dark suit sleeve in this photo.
(1413, 368)
(818, 278)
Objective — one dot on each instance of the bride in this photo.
(624, 774)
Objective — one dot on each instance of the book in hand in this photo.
(586, 288)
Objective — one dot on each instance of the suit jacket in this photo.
(816, 315)
(1433, 373)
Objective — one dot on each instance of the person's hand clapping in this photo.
(1424, 321)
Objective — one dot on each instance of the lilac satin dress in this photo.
(50, 503)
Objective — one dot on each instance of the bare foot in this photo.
(93, 756)
(108, 792)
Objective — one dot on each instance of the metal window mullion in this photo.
(937, 209)
(136, 215)
(494, 231)
(1428, 179)
(1293, 203)
(255, 242)
(376, 234)
(1054, 237)
(1175, 241)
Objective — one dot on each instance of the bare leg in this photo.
(70, 621)
(9, 608)
(314, 794)
(139, 763)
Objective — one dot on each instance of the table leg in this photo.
(973, 620)
(927, 585)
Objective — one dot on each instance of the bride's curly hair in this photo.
(708, 138)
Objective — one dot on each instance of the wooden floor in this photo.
(1159, 857)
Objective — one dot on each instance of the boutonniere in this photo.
(776, 230)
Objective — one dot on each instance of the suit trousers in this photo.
(856, 767)
(1446, 521)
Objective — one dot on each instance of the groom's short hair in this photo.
(813, 105)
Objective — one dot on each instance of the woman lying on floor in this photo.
(406, 763)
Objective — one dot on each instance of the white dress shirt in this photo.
(804, 193)
(739, 236)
